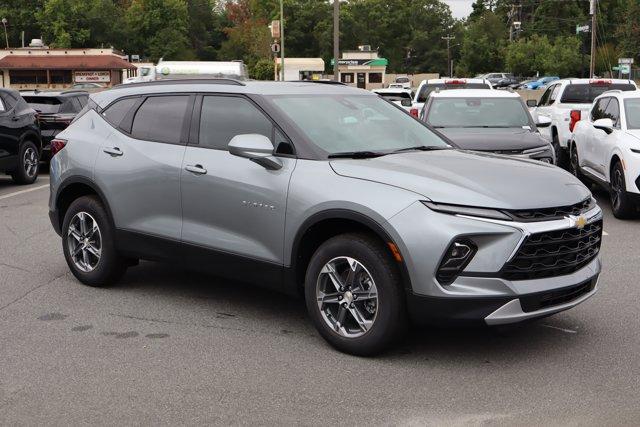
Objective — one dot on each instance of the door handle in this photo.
(197, 169)
(15, 118)
(113, 151)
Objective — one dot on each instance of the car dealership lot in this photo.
(167, 346)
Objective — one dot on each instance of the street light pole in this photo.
(336, 38)
(6, 37)
(592, 64)
(281, 40)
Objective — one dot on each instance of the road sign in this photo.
(275, 29)
(625, 68)
(625, 60)
(275, 48)
(583, 28)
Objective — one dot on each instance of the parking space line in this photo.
(28, 190)
(604, 233)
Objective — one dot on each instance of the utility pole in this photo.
(448, 38)
(6, 37)
(281, 40)
(336, 38)
(593, 8)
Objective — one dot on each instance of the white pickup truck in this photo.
(567, 95)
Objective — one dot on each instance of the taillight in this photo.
(414, 112)
(57, 145)
(575, 116)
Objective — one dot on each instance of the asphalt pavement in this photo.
(168, 347)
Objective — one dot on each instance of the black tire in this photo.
(561, 154)
(390, 318)
(110, 266)
(26, 171)
(621, 204)
(574, 165)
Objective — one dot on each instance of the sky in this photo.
(459, 8)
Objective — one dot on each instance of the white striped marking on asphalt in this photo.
(604, 233)
(28, 190)
(569, 331)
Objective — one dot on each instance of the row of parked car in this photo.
(587, 126)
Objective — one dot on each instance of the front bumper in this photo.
(481, 293)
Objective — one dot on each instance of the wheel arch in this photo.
(615, 158)
(327, 224)
(73, 188)
(33, 136)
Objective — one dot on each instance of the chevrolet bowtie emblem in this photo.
(578, 221)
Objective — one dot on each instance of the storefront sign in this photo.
(379, 62)
(92, 77)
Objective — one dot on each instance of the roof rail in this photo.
(217, 81)
(326, 82)
(64, 92)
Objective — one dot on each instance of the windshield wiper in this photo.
(421, 148)
(356, 155)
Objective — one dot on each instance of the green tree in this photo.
(564, 58)
(159, 29)
(248, 38)
(629, 29)
(20, 15)
(483, 46)
(525, 57)
(262, 70)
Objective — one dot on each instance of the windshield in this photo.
(632, 108)
(402, 80)
(428, 88)
(477, 112)
(586, 93)
(351, 123)
(395, 96)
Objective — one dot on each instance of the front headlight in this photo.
(467, 210)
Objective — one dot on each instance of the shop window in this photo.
(375, 77)
(28, 77)
(61, 76)
(346, 77)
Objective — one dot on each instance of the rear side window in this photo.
(118, 110)
(586, 93)
(160, 118)
(44, 104)
(224, 117)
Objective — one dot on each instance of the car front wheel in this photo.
(621, 204)
(354, 295)
(27, 168)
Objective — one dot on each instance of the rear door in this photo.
(603, 142)
(232, 206)
(590, 155)
(138, 166)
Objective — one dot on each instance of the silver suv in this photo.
(324, 190)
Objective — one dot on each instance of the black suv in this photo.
(20, 142)
(56, 110)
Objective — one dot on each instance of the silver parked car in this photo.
(324, 190)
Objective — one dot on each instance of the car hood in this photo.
(634, 132)
(493, 139)
(468, 178)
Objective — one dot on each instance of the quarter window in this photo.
(160, 118)
(118, 110)
(224, 117)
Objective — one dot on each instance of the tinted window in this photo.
(44, 104)
(428, 88)
(224, 117)
(545, 97)
(160, 118)
(395, 96)
(586, 93)
(632, 108)
(554, 93)
(599, 108)
(613, 112)
(477, 112)
(118, 110)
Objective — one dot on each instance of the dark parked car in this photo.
(20, 143)
(55, 111)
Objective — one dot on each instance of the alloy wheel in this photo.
(616, 188)
(84, 242)
(30, 162)
(347, 297)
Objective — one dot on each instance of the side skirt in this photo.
(218, 263)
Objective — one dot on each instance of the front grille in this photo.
(508, 152)
(543, 300)
(554, 253)
(548, 214)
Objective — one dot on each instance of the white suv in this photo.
(605, 148)
(563, 96)
(428, 86)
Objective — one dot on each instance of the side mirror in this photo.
(532, 103)
(543, 122)
(405, 102)
(255, 147)
(604, 124)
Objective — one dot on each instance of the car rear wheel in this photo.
(354, 295)
(574, 165)
(27, 168)
(561, 154)
(88, 243)
(621, 203)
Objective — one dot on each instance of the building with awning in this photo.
(362, 68)
(45, 68)
(302, 68)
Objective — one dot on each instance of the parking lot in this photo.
(167, 346)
